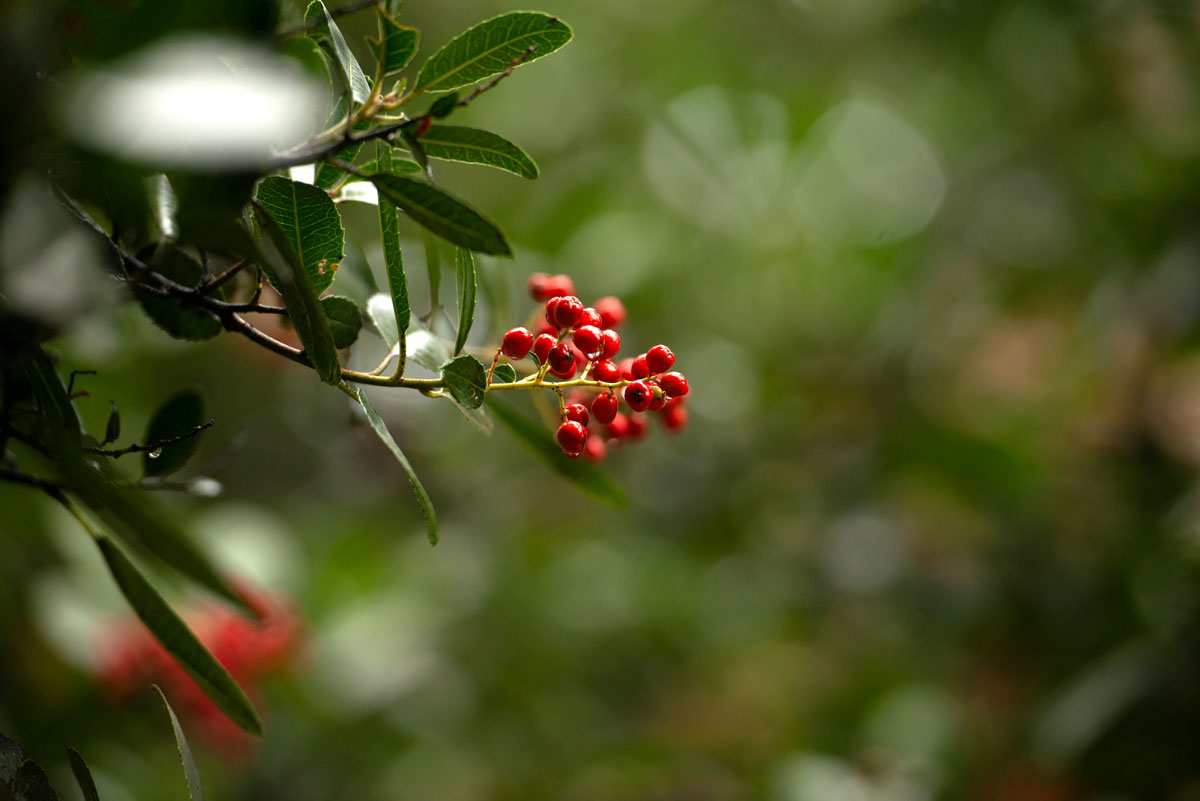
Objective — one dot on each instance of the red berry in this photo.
(639, 368)
(604, 407)
(571, 436)
(638, 396)
(606, 371)
(658, 399)
(674, 385)
(538, 289)
(542, 345)
(594, 450)
(590, 317)
(612, 311)
(659, 359)
(626, 368)
(566, 312)
(560, 286)
(577, 412)
(516, 343)
(637, 427)
(675, 416)
(544, 327)
(618, 428)
(561, 359)
(588, 340)
(612, 342)
(551, 307)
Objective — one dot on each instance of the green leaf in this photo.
(396, 45)
(464, 273)
(490, 47)
(11, 757)
(57, 409)
(380, 429)
(466, 379)
(325, 30)
(443, 106)
(473, 146)
(32, 784)
(418, 152)
(393, 258)
(432, 352)
(326, 175)
(180, 414)
(178, 639)
(345, 320)
(277, 256)
(443, 214)
(398, 166)
(179, 319)
(310, 220)
(504, 374)
(185, 752)
(586, 476)
(83, 776)
(113, 429)
(379, 309)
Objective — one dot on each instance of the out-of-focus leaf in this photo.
(345, 320)
(32, 784)
(83, 776)
(11, 757)
(311, 222)
(179, 319)
(489, 48)
(180, 414)
(396, 46)
(586, 476)
(195, 793)
(379, 309)
(464, 273)
(473, 146)
(504, 374)
(325, 30)
(178, 639)
(443, 107)
(62, 423)
(443, 214)
(466, 380)
(113, 429)
(381, 431)
(165, 206)
(279, 258)
(432, 352)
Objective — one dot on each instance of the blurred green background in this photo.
(931, 268)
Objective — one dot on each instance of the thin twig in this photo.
(335, 13)
(117, 453)
(223, 277)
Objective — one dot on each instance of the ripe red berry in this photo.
(561, 359)
(612, 311)
(659, 359)
(626, 368)
(612, 342)
(658, 400)
(594, 450)
(619, 427)
(637, 427)
(639, 368)
(577, 412)
(591, 317)
(604, 407)
(551, 307)
(566, 312)
(542, 345)
(538, 289)
(560, 286)
(589, 340)
(571, 436)
(674, 385)
(675, 416)
(544, 327)
(516, 343)
(638, 396)
(606, 371)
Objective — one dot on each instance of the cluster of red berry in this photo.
(571, 339)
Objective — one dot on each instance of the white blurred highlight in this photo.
(194, 102)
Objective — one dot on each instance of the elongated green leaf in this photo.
(326, 31)
(345, 320)
(396, 45)
(504, 374)
(473, 146)
(464, 272)
(63, 429)
(326, 175)
(179, 415)
(11, 757)
(113, 429)
(195, 793)
(398, 166)
(310, 220)
(278, 257)
(83, 776)
(490, 48)
(393, 258)
(589, 478)
(443, 214)
(381, 430)
(466, 380)
(178, 639)
(32, 784)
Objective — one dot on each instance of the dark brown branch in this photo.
(117, 453)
